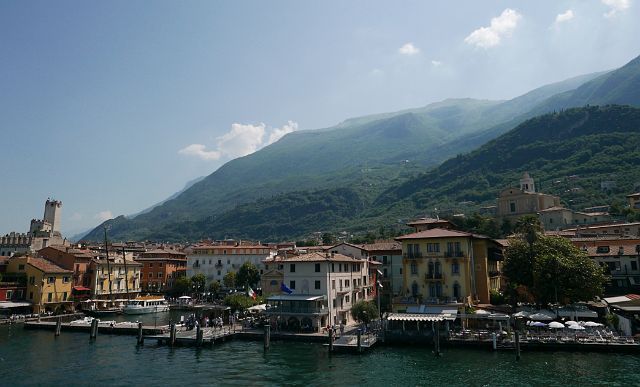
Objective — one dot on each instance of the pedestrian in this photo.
(341, 328)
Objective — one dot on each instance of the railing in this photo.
(218, 265)
(196, 264)
(412, 255)
(434, 277)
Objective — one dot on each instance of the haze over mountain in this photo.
(367, 154)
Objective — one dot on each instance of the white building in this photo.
(214, 261)
(331, 282)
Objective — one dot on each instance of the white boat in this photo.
(144, 305)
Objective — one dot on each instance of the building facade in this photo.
(558, 218)
(160, 269)
(216, 260)
(117, 278)
(514, 203)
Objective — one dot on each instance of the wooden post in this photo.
(494, 341)
(517, 340)
(58, 326)
(140, 335)
(199, 336)
(267, 336)
(93, 332)
(436, 339)
(330, 340)
(359, 341)
(172, 335)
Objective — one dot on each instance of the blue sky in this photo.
(114, 106)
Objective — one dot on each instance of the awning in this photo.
(9, 305)
(81, 289)
(415, 317)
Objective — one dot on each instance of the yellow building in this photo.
(125, 281)
(48, 285)
(448, 267)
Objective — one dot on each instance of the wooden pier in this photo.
(126, 328)
(190, 337)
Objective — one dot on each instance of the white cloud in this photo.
(408, 49)
(278, 133)
(564, 17)
(436, 63)
(240, 140)
(501, 26)
(104, 215)
(200, 151)
(616, 6)
(76, 216)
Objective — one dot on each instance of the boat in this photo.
(99, 308)
(144, 305)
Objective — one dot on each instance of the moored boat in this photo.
(144, 305)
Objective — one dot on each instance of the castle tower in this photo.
(52, 214)
(527, 184)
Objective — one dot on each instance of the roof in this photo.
(210, 247)
(314, 257)
(555, 208)
(383, 246)
(359, 247)
(45, 266)
(163, 251)
(634, 195)
(295, 297)
(437, 233)
(428, 221)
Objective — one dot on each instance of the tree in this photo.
(229, 280)
(181, 286)
(553, 270)
(214, 287)
(364, 311)
(248, 275)
(328, 239)
(241, 301)
(198, 281)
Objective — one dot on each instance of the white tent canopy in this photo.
(541, 317)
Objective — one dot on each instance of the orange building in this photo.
(160, 268)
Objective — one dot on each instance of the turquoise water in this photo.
(39, 358)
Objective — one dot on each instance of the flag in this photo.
(285, 288)
(251, 293)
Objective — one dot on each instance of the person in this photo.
(341, 328)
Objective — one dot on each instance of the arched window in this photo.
(437, 268)
(414, 289)
(430, 269)
(456, 290)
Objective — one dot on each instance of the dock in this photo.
(188, 337)
(122, 328)
(349, 343)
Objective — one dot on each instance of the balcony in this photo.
(452, 254)
(413, 255)
(196, 265)
(218, 265)
(433, 277)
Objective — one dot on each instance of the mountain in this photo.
(188, 185)
(592, 144)
(368, 154)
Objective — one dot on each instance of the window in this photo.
(455, 268)
(218, 272)
(385, 274)
(20, 267)
(51, 280)
(414, 268)
(9, 294)
(634, 265)
(317, 285)
(292, 284)
(150, 275)
(65, 280)
(333, 284)
(334, 303)
(333, 269)
(317, 268)
(31, 295)
(49, 297)
(512, 206)
(602, 249)
(433, 247)
(346, 298)
(384, 259)
(160, 275)
(346, 283)
(292, 268)
(339, 268)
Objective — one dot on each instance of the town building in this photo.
(442, 266)
(514, 203)
(422, 224)
(117, 277)
(619, 256)
(74, 259)
(160, 269)
(324, 288)
(42, 233)
(558, 218)
(634, 201)
(389, 255)
(48, 286)
(626, 229)
(215, 260)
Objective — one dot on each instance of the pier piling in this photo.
(93, 332)
(359, 340)
(172, 335)
(494, 341)
(330, 340)
(199, 336)
(517, 342)
(436, 339)
(58, 326)
(140, 335)
(267, 336)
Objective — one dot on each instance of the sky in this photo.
(113, 106)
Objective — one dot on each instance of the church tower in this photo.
(52, 214)
(526, 183)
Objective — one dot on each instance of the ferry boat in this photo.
(144, 305)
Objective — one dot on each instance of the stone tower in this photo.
(527, 184)
(52, 214)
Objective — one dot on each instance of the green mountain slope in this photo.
(594, 143)
(369, 154)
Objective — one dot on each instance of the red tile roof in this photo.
(314, 257)
(46, 266)
(435, 233)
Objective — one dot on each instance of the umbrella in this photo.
(576, 327)
(481, 311)
(555, 325)
(538, 324)
(592, 324)
(570, 322)
(541, 317)
(522, 313)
